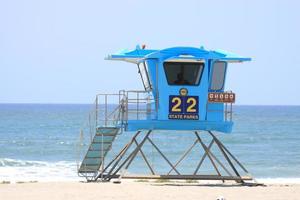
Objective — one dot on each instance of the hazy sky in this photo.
(52, 51)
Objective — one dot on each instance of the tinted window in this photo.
(218, 76)
(183, 73)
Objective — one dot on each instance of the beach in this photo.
(131, 190)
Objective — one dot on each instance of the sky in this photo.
(52, 51)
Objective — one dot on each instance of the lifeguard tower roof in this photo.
(138, 55)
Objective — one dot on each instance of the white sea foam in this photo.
(6, 162)
(20, 170)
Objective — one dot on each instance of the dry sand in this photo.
(132, 190)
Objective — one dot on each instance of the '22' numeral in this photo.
(176, 107)
(191, 108)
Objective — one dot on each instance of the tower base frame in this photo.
(228, 169)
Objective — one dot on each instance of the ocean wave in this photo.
(4, 162)
(9, 162)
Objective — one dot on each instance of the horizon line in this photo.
(61, 103)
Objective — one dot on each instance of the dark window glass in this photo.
(218, 76)
(183, 73)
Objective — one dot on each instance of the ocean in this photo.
(40, 142)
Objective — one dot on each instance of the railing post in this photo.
(230, 111)
(105, 110)
(121, 113)
(226, 112)
(127, 107)
(157, 92)
(96, 112)
(148, 107)
(137, 105)
(90, 126)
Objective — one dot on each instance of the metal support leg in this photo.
(214, 157)
(145, 158)
(166, 159)
(120, 156)
(116, 158)
(124, 159)
(130, 158)
(184, 155)
(203, 157)
(232, 156)
(226, 157)
(208, 153)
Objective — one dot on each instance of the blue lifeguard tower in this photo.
(183, 91)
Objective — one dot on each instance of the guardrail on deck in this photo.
(117, 109)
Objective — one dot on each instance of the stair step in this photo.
(99, 146)
(107, 134)
(88, 168)
(101, 142)
(104, 139)
(106, 131)
(95, 150)
(93, 157)
(97, 154)
(92, 161)
(89, 165)
(98, 149)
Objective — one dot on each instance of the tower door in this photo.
(183, 90)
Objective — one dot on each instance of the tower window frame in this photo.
(183, 73)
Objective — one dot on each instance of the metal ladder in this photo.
(98, 149)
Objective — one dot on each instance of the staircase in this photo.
(98, 149)
(104, 123)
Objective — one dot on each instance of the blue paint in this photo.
(184, 125)
(210, 116)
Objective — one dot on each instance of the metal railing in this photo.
(117, 109)
(138, 105)
(109, 109)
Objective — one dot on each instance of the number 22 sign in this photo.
(183, 107)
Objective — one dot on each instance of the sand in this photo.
(132, 190)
